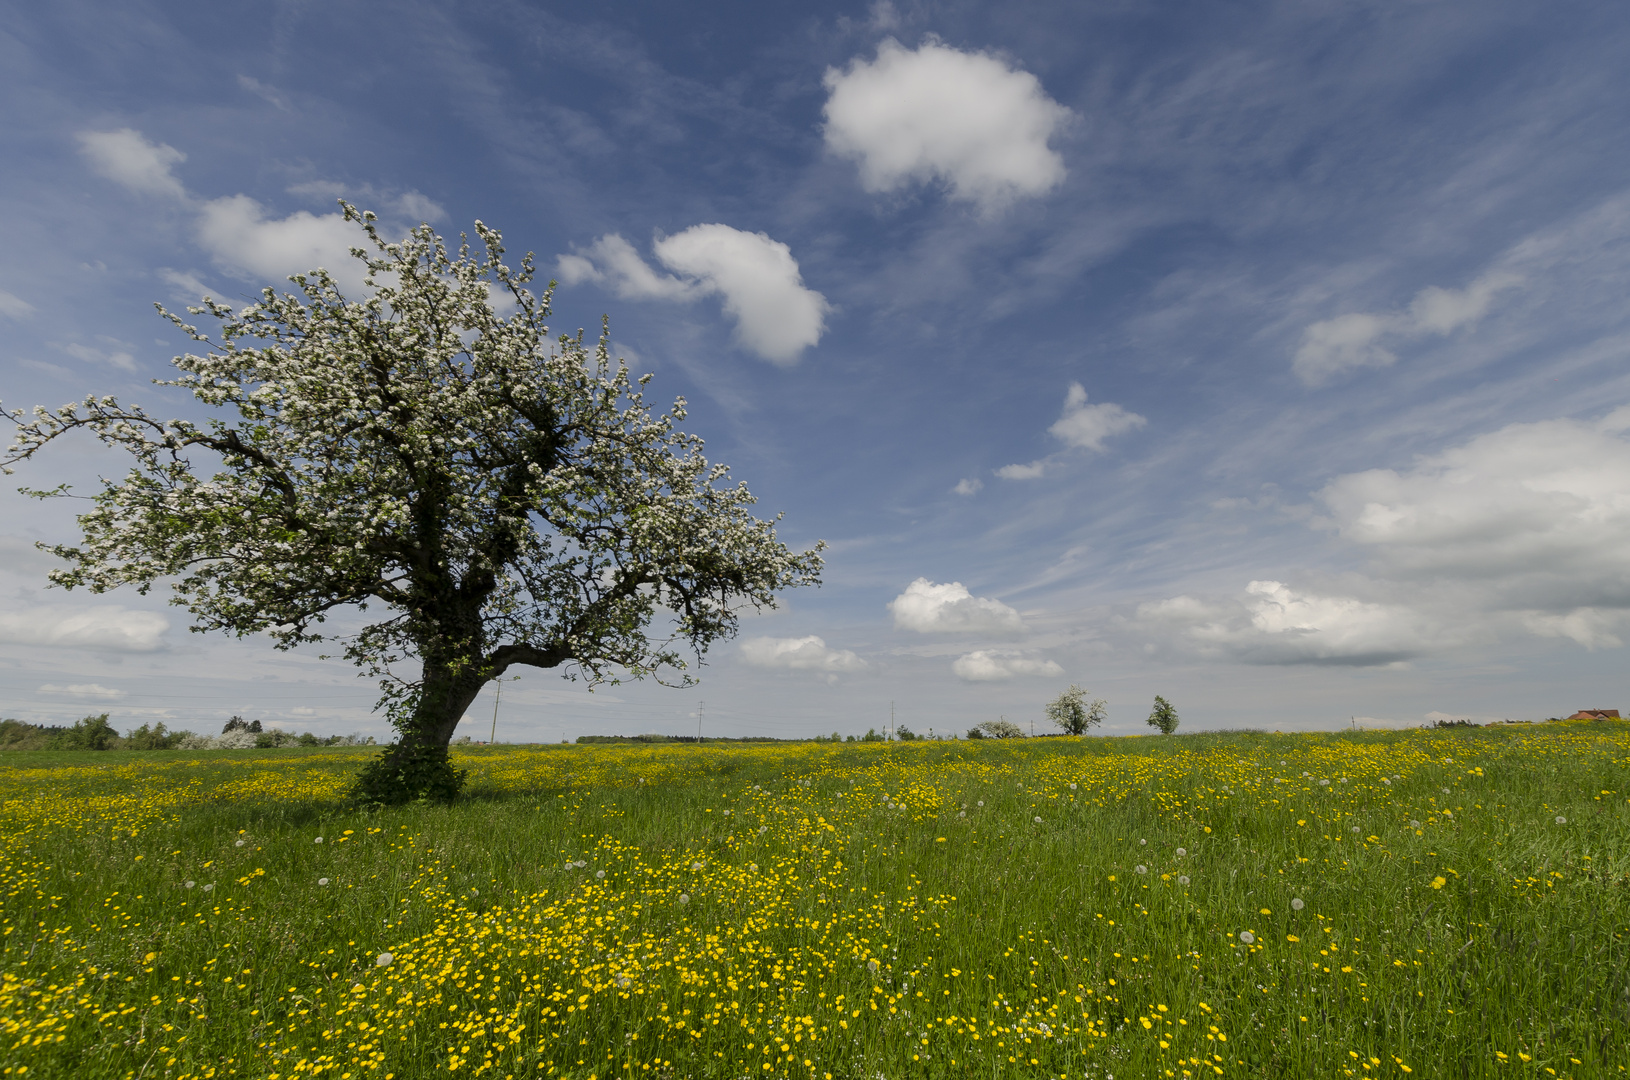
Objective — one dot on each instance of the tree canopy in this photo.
(428, 452)
(1074, 713)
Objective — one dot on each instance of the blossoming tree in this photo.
(497, 497)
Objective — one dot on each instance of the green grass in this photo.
(1491, 940)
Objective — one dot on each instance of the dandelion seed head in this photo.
(1140, 869)
(695, 866)
(872, 966)
(1038, 821)
(318, 840)
(1446, 791)
(210, 887)
(1355, 828)
(188, 884)
(1324, 783)
(684, 898)
(239, 843)
(981, 802)
(1143, 843)
(600, 875)
(1182, 879)
(1072, 787)
(322, 881)
(1560, 820)
(384, 960)
(1413, 824)
(1247, 937)
(1297, 905)
(1182, 852)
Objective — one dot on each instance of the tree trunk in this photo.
(416, 766)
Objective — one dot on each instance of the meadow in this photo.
(1436, 903)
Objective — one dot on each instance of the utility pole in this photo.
(701, 711)
(496, 698)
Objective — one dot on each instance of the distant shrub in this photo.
(1000, 729)
(155, 738)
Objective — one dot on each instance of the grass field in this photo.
(1444, 903)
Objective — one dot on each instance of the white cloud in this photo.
(1087, 426)
(1590, 627)
(126, 157)
(14, 307)
(950, 609)
(1082, 426)
(94, 691)
(236, 231)
(995, 666)
(776, 315)
(263, 91)
(1538, 513)
(186, 286)
(1030, 471)
(968, 486)
(967, 120)
(803, 654)
(1360, 339)
(111, 628)
(1276, 624)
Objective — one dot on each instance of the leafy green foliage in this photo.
(1164, 716)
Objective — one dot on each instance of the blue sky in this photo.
(1272, 358)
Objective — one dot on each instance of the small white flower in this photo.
(1182, 879)
(1141, 869)
(1560, 820)
(1038, 821)
(384, 960)
(1297, 905)
(684, 898)
(318, 840)
(239, 843)
(322, 881)
(1247, 937)
(600, 875)
(1181, 852)
(188, 884)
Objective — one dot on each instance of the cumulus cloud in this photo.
(1360, 339)
(1516, 532)
(996, 666)
(127, 158)
(113, 353)
(776, 315)
(1082, 426)
(111, 628)
(1276, 624)
(803, 654)
(967, 120)
(236, 230)
(1541, 509)
(950, 609)
(968, 486)
(94, 691)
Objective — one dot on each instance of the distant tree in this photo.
(1164, 716)
(18, 735)
(1074, 713)
(91, 733)
(975, 733)
(155, 738)
(1001, 729)
(872, 736)
(503, 499)
(905, 734)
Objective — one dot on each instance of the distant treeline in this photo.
(95, 733)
